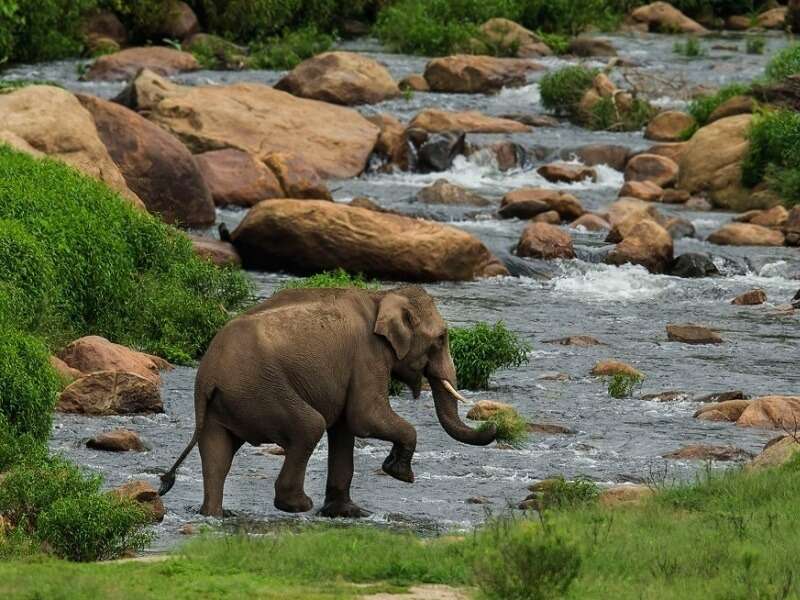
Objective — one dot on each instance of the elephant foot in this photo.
(399, 466)
(346, 509)
(296, 504)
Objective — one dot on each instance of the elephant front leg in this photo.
(340, 475)
(385, 424)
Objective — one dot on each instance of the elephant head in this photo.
(410, 323)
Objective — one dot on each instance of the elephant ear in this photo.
(394, 323)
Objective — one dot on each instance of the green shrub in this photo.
(288, 50)
(16, 446)
(691, 48)
(338, 278)
(560, 493)
(774, 154)
(562, 90)
(512, 429)
(756, 45)
(569, 17)
(702, 106)
(557, 42)
(784, 63)
(481, 350)
(622, 385)
(247, 20)
(605, 115)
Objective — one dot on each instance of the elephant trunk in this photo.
(447, 412)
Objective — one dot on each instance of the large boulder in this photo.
(776, 452)
(526, 203)
(772, 412)
(434, 120)
(776, 217)
(93, 353)
(310, 236)
(237, 177)
(124, 64)
(298, 177)
(648, 244)
(543, 240)
(746, 234)
(111, 393)
(513, 37)
(660, 170)
(662, 16)
(668, 126)
(154, 163)
(470, 74)
(51, 121)
(341, 78)
(334, 140)
(775, 18)
(728, 410)
(180, 22)
(738, 105)
(631, 211)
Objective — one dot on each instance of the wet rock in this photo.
(643, 190)
(222, 254)
(47, 120)
(673, 196)
(93, 353)
(392, 142)
(550, 217)
(542, 240)
(772, 412)
(591, 222)
(444, 192)
(776, 217)
(706, 452)
(585, 46)
(660, 170)
(334, 140)
(553, 376)
(737, 23)
(550, 429)
(631, 211)
(566, 173)
(580, 341)
(471, 74)
(346, 78)
(533, 120)
(746, 234)
(180, 21)
(624, 495)
(309, 236)
(117, 440)
(298, 177)
(125, 64)
(434, 120)
(591, 155)
(104, 24)
(478, 500)
(485, 409)
(609, 368)
(738, 105)
(673, 151)
(508, 155)
(237, 178)
(510, 36)
(680, 228)
(698, 203)
(662, 16)
(668, 126)
(111, 393)
(729, 410)
(776, 453)
(146, 495)
(669, 396)
(438, 151)
(415, 83)
(723, 396)
(772, 19)
(155, 165)
(526, 203)
(689, 333)
(751, 298)
(648, 244)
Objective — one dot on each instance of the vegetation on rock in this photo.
(510, 426)
(703, 106)
(774, 154)
(783, 64)
(338, 278)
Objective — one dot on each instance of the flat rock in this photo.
(690, 333)
(434, 120)
(111, 393)
(746, 234)
(126, 63)
(471, 74)
(237, 178)
(566, 173)
(609, 368)
(660, 170)
(723, 396)
(706, 452)
(117, 440)
(444, 192)
(542, 240)
(751, 298)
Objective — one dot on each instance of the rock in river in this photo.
(111, 393)
(751, 298)
(772, 412)
(526, 203)
(690, 333)
(485, 409)
(94, 353)
(542, 240)
(470, 74)
(693, 264)
(668, 126)
(746, 234)
(237, 177)
(310, 236)
(662, 16)
(566, 173)
(609, 368)
(660, 170)
(126, 63)
(706, 452)
(117, 440)
(647, 244)
(443, 192)
(143, 493)
(434, 120)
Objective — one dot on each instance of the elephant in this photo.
(309, 362)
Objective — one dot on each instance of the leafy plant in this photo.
(512, 429)
(773, 154)
(622, 385)
(288, 50)
(557, 42)
(560, 493)
(338, 278)
(481, 350)
(608, 116)
(756, 45)
(702, 106)
(691, 48)
(563, 89)
(570, 17)
(784, 63)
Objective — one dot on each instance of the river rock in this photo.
(542, 240)
(663, 17)
(550, 217)
(668, 126)
(104, 24)
(698, 204)
(470, 74)
(238, 178)
(776, 452)
(737, 23)
(648, 244)
(550, 429)
(579, 341)
(585, 46)
(729, 410)
(66, 373)
(591, 222)
(310, 236)
(566, 173)
(693, 264)
(643, 190)
(774, 18)
(117, 440)
(609, 368)
(624, 495)
(777, 412)
(746, 234)
(144, 494)
(680, 228)
(673, 151)
(52, 121)
(673, 196)
(689, 333)
(155, 165)
(508, 155)
(94, 353)
(706, 452)
(126, 63)
(796, 301)
(792, 227)
(444, 192)
(298, 177)
(222, 254)
(660, 170)
(508, 35)
(486, 409)
(632, 211)
(776, 217)
(668, 396)
(392, 141)
(738, 105)
(717, 397)
(438, 151)
(345, 78)
(751, 298)
(414, 83)
(434, 120)
(181, 22)
(111, 393)
(526, 203)
(591, 155)
(334, 140)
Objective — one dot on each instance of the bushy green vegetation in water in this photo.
(756, 45)
(289, 49)
(480, 350)
(563, 89)
(338, 278)
(622, 385)
(608, 116)
(511, 428)
(560, 493)
(774, 154)
(691, 48)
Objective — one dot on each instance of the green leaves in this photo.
(481, 350)
(563, 89)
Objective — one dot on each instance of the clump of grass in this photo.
(783, 64)
(560, 493)
(563, 89)
(338, 278)
(622, 385)
(289, 49)
(774, 154)
(557, 42)
(756, 45)
(512, 429)
(605, 115)
(703, 106)
(480, 350)
(691, 48)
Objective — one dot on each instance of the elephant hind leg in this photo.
(305, 429)
(340, 474)
(217, 448)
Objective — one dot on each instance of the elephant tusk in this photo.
(449, 387)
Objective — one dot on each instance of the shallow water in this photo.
(627, 308)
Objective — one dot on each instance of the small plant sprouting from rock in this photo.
(481, 350)
(691, 48)
(756, 45)
(512, 429)
(622, 385)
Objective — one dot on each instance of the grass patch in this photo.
(783, 64)
(512, 429)
(607, 116)
(558, 493)
(703, 106)
(773, 154)
(691, 48)
(286, 51)
(480, 350)
(755, 45)
(563, 89)
(338, 278)
(557, 42)
(622, 385)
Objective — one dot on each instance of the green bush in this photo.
(756, 45)
(338, 278)
(774, 154)
(607, 116)
(622, 385)
(784, 63)
(288, 50)
(691, 48)
(569, 17)
(511, 428)
(481, 350)
(702, 106)
(562, 90)
(247, 20)
(560, 493)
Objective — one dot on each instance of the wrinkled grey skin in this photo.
(310, 361)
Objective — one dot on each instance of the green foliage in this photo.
(569, 17)
(756, 45)
(144, 18)
(784, 63)
(246, 20)
(562, 494)
(557, 42)
(607, 116)
(512, 429)
(213, 52)
(481, 350)
(622, 385)
(774, 154)
(702, 106)
(338, 278)
(288, 50)
(563, 89)
(691, 48)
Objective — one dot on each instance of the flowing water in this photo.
(625, 307)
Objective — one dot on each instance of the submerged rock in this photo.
(706, 452)
(485, 409)
(580, 341)
(543, 240)
(609, 368)
(550, 429)
(689, 333)
(693, 264)
(591, 155)
(444, 192)
(723, 396)
(751, 298)
(117, 440)
(669, 396)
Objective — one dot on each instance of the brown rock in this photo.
(772, 412)
(508, 35)
(565, 173)
(772, 19)
(662, 16)
(415, 83)
(478, 500)
(526, 203)
(155, 165)
(673, 196)
(550, 217)
(143, 493)
(737, 23)
(434, 120)
(180, 22)
(777, 216)
(310, 236)
(93, 353)
(444, 192)
(698, 203)
(647, 244)
(580, 341)
(298, 178)
(643, 190)
(673, 151)
(632, 211)
(111, 393)
(550, 429)
(706, 452)
(746, 234)
(729, 410)
(471, 74)
(508, 155)
(485, 409)
(64, 371)
(125, 64)
(776, 453)
(237, 177)
(591, 155)
(591, 222)
(668, 396)
(651, 167)
(680, 228)
(624, 495)
(668, 126)
(105, 24)
(541, 240)
(609, 368)
(751, 298)
(392, 142)
(585, 46)
(723, 396)
(738, 105)
(690, 333)
(341, 78)
(222, 254)
(117, 440)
